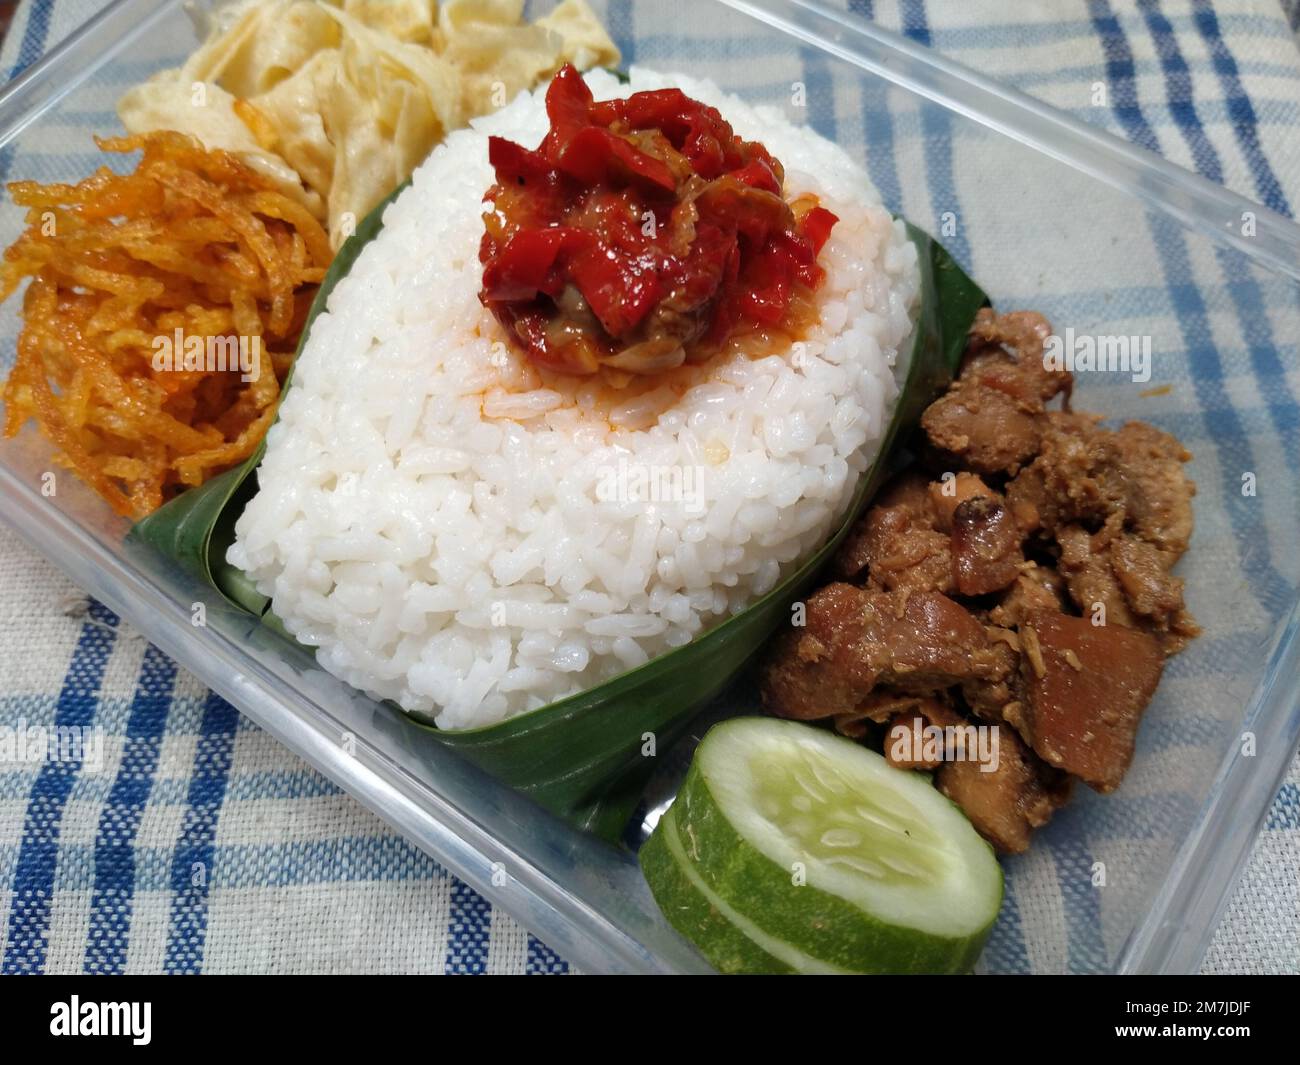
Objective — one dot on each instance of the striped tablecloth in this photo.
(202, 845)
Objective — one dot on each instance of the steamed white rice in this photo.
(453, 533)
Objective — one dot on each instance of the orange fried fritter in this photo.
(145, 288)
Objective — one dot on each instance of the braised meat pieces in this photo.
(856, 639)
(1005, 806)
(1018, 575)
(1085, 687)
(990, 420)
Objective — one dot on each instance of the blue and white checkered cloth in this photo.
(200, 844)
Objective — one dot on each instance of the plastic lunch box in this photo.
(1047, 211)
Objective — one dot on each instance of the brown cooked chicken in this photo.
(1019, 574)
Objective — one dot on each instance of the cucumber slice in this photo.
(820, 845)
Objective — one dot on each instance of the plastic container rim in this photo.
(1177, 929)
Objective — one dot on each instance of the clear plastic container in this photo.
(1046, 212)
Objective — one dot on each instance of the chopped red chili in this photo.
(641, 233)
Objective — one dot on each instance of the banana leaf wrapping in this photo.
(582, 756)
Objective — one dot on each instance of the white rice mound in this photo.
(456, 533)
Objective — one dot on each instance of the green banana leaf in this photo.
(582, 757)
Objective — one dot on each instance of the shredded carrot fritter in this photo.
(126, 272)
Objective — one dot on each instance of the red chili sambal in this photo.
(641, 233)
